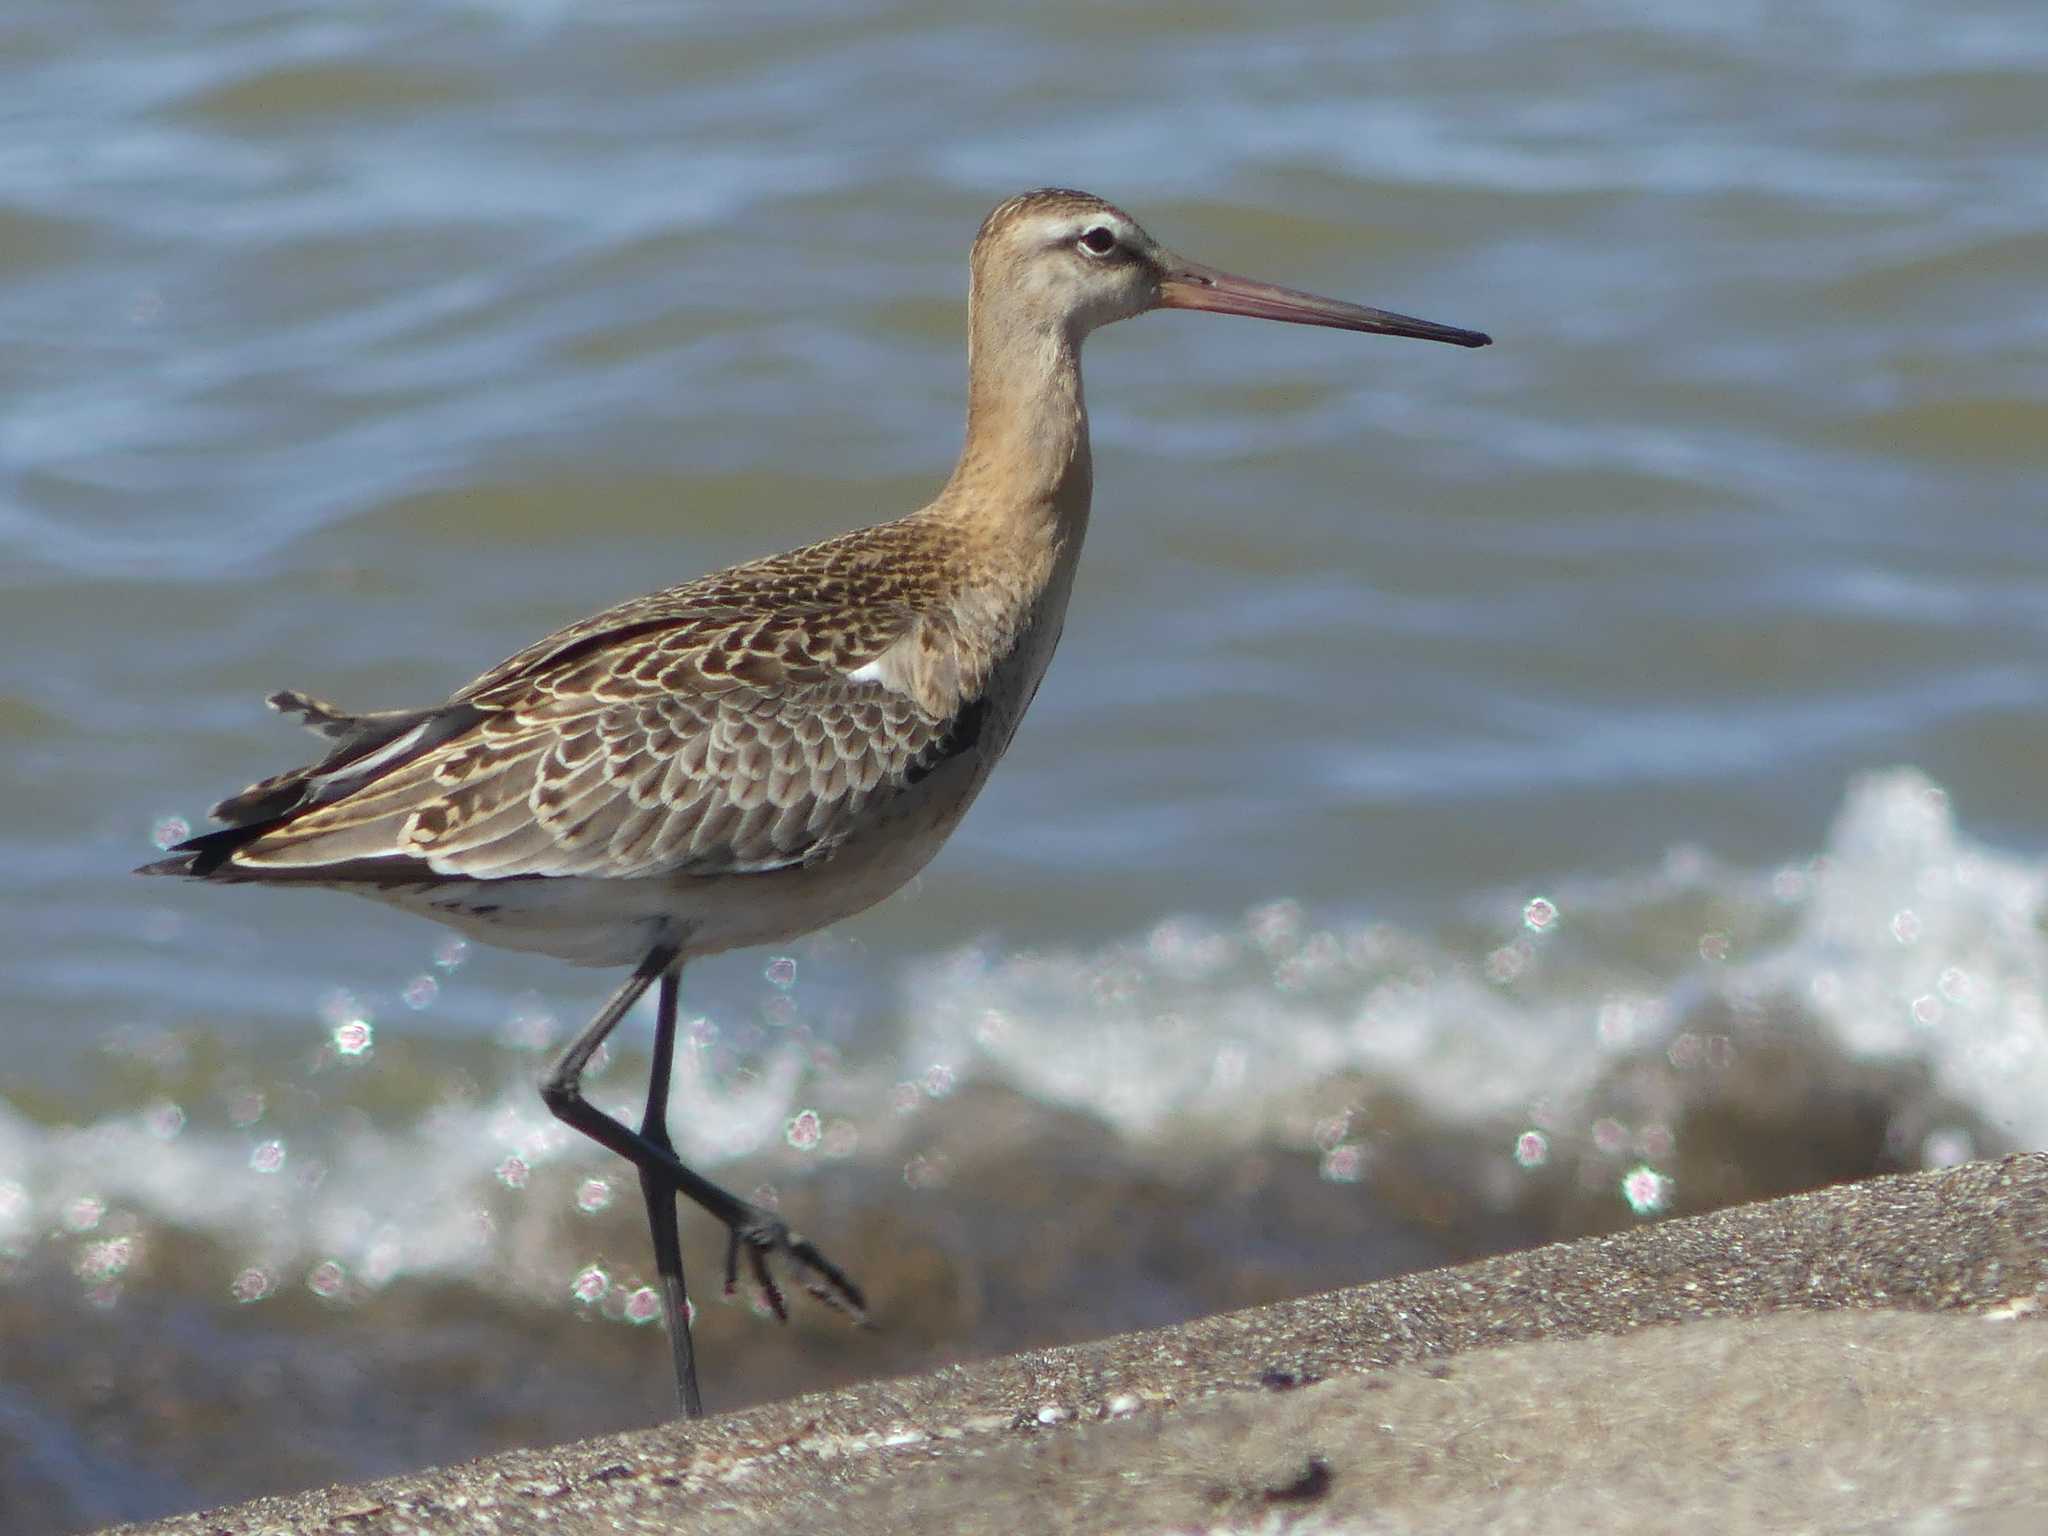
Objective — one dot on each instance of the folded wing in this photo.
(733, 725)
(735, 780)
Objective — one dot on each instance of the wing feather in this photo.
(714, 728)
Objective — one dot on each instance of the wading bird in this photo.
(762, 751)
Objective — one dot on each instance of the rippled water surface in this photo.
(1480, 796)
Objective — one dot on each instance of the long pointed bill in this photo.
(1190, 285)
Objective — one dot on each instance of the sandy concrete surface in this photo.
(1864, 1358)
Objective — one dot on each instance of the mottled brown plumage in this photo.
(709, 729)
(762, 751)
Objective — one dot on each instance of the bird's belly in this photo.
(732, 911)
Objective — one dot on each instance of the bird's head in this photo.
(1069, 261)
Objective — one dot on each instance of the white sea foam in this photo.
(1917, 942)
(1903, 939)
(447, 1195)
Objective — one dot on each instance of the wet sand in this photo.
(1866, 1357)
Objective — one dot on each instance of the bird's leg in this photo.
(660, 1195)
(761, 1232)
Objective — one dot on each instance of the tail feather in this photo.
(204, 855)
(366, 746)
(319, 716)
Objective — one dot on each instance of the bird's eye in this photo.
(1099, 241)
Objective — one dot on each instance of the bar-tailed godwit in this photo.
(763, 751)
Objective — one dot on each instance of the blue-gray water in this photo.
(1457, 766)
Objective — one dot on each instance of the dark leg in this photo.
(660, 1196)
(759, 1231)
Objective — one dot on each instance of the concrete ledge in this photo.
(1865, 1357)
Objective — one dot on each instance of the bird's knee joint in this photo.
(560, 1094)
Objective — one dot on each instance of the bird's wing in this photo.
(716, 728)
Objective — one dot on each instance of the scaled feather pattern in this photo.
(713, 728)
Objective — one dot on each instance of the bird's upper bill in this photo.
(1187, 284)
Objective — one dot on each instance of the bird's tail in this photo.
(366, 745)
(207, 855)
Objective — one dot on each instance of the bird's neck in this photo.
(1024, 475)
(1010, 521)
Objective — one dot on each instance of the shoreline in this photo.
(1856, 1354)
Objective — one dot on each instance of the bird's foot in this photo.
(761, 1234)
